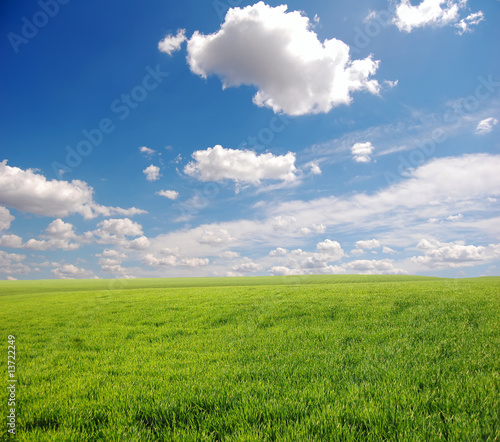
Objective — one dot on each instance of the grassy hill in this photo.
(271, 358)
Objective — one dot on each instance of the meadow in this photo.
(311, 358)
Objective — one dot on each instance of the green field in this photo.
(313, 358)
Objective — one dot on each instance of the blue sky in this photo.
(279, 139)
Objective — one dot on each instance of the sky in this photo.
(232, 138)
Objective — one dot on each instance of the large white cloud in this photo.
(242, 166)
(29, 191)
(280, 54)
(119, 232)
(434, 13)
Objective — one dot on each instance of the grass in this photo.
(314, 358)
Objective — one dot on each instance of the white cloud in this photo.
(246, 266)
(369, 244)
(119, 232)
(59, 235)
(399, 214)
(451, 255)
(428, 12)
(147, 151)
(111, 253)
(216, 237)
(5, 218)
(331, 248)
(12, 263)
(229, 255)
(242, 166)
(486, 126)
(374, 267)
(388, 250)
(28, 191)
(13, 241)
(173, 261)
(152, 173)
(172, 43)
(361, 152)
(314, 168)
(280, 251)
(280, 54)
(69, 271)
(170, 194)
(465, 24)
(119, 227)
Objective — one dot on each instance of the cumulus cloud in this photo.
(242, 166)
(434, 13)
(28, 191)
(486, 126)
(58, 235)
(12, 263)
(173, 261)
(12, 241)
(361, 152)
(5, 218)
(331, 248)
(69, 271)
(369, 244)
(246, 266)
(449, 255)
(172, 43)
(374, 267)
(280, 251)
(278, 52)
(300, 262)
(170, 194)
(147, 151)
(152, 173)
(119, 232)
(216, 237)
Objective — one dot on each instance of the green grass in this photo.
(299, 359)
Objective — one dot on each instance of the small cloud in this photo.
(147, 151)
(455, 217)
(280, 251)
(172, 43)
(370, 244)
(465, 24)
(388, 250)
(486, 126)
(390, 84)
(314, 168)
(152, 173)
(170, 194)
(361, 152)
